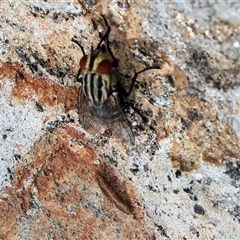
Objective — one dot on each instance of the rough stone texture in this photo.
(181, 179)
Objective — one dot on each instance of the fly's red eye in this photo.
(83, 62)
(104, 67)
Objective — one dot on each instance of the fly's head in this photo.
(98, 61)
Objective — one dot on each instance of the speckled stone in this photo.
(180, 180)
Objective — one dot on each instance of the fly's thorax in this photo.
(98, 78)
(96, 87)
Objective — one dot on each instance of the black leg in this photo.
(106, 35)
(125, 92)
(79, 79)
(115, 62)
(82, 49)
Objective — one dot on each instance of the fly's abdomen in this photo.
(95, 88)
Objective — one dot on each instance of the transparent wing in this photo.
(86, 117)
(109, 115)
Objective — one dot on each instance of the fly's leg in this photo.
(125, 92)
(81, 47)
(79, 78)
(106, 35)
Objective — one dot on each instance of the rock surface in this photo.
(180, 180)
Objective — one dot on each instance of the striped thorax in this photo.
(98, 81)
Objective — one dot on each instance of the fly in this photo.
(100, 91)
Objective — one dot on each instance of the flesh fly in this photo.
(100, 91)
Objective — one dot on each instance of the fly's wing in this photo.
(123, 124)
(109, 115)
(87, 119)
(112, 114)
